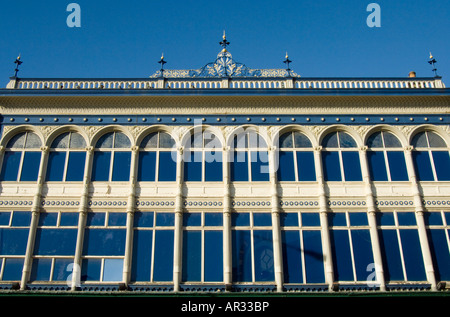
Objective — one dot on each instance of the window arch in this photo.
(67, 158)
(431, 157)
(22, 158)
(157, 158)
(203, 158)
(250, 160)
(295, 158)
(340, 158)
(386, 157)
(112, 158)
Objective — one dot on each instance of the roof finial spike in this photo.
(224, 36)
(224, 42)
(18, 62)
(433, 61)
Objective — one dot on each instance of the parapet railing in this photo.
(233, 83)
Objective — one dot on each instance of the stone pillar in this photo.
(227, 260)
(35, 209)
(276, 231)
(83, 209)
(178, 233)
(419, 210)
(371, 216)
(323, 209)
(130, 216)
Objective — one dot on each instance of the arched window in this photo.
(340, 158)
(431, 157)
(296, 158)
(67, 158)
(22, 158)
(157, 158)
(250, 161)
(203, 158)
(386, 158)
(112, 158)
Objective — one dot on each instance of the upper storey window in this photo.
(296, 158)
(250, 161)
(67, 158)
(157, 158)
(203, 158)
(112, 158)
(340, 158)
(22, 158)
(386, 158)
(431, 157)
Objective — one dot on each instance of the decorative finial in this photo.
(162, 62)
(224, 42)
(433, 61)
(18, 62)
(287, 61)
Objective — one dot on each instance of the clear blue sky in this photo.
(324, 38)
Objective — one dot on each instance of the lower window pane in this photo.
(286, 170)
(13, 270)
(213, 256)
(260, 166)
(331, 167)
(306, 167)
(142, 255)
(163, 263)
(391, 255)
(352, 166)
(362, 252)
(412, 254)
(440, 253)
(192, 254)
(241, 257)
(167, 170)
(397, 166)
(55, 166)
(146, 167)
(75, 166)
(342, 261)
(377, 166)
(90, 269)
(121, 166)
(292, 257)
(112, 270)
(100, 166)
(62, 269)
(263, 246)
(30, 166)
(239, 167)
(312, 250)
(41, 270)
(422, 166)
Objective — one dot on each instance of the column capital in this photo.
(89, 148)
(363, 148)
(318, 148)
(408, 148)
(45, 149)
(135, 148)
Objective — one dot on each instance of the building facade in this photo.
(227, 179)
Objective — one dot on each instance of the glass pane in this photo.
(55, 166)
(330, 140)
(163, 262)
(17, 141)
(5, 216)
(104, 242)
(406, 218)
(21, 219)
(391, 140)
(397, 166)
(75, 166)
(62, 269)
(314, 261)
(239, 167)
(286, 140)
(143, 219)
(68, 219)
(440, 253)
(61, 141)
(147, 166)
(337, 219)
(105, 141)
(392, 263)
(213, 166)
(193, 166)
(167, 170)
(142, 254)
(48, 219)
(342, 260)
(117, 219)
(260, 166)
(241, 256)
(77, 141)
(377, 166)
(211, 141)
(90, 269)
(192, 219)
(113, 270)
(412, 254)
(306, 167)
(331, 166)
(346, 141)
(385, 218)
(362, 252)
(33, 141)
(310, 219)
(40, 270)
(192, 252)
(240, 219)
(197, 140)
(100, 166)
(352, 167)
(95, 219)
(165, 219)
(10, 167)
(240, 141)
(13, 241)
(30, 166)
(292, 257)
(301, 140)
(442, 165)
(375, 140)
(262, 219)
(12, 270)
(435, 140)
(358, 219)
(288, 219)
(213, 219)
(420, 140)
(256, 141)
(121, 141)
(166, 141)
(150, 141)
(213, 256)
(121, 166)
(286, 171)
(422, 165)
(263, 246)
